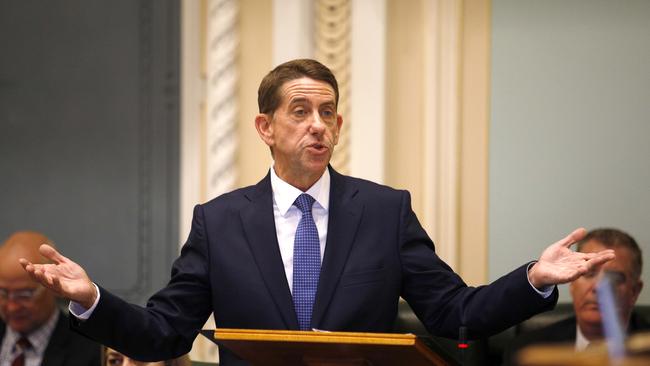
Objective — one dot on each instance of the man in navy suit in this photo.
(239, 261)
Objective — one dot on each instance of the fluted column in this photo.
(217, 139)
(332, 47)
(221, 102)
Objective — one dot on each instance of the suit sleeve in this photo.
(167, 326)
(443, 301)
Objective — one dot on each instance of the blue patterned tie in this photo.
(306, 262)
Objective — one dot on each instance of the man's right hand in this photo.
(63, 276)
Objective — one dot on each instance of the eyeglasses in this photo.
(22, 295)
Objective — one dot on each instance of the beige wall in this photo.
(474, 136)
(404, 99)
(255, 60)
(409, 101)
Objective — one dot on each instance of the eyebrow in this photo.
(301, 99)
(298, 100)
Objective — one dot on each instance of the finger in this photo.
(48, 278)
(50, 253)
(56, 283)
(40, 275)
(577, 235)
(35, 274)
(27, 265)
(600, 258)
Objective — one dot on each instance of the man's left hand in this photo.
(559, 264)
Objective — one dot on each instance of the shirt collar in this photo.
(284, 194)
(38, 338)
(581, 341)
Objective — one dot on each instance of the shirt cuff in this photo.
(546, 291)
(79, 311)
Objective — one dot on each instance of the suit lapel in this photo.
(344, 217)
(259, 226)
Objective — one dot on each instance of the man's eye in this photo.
(114, 360)
(299, 112)
(329, 113)
(616, 278)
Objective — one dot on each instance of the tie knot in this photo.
(23, 344)
(304, 202)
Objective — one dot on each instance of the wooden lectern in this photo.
(294, 348)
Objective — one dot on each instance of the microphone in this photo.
(462, 343)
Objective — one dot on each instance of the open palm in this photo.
(559, 264)
(63, 276)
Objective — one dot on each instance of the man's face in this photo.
(114, 358)
(303, 130)
(24, 305)
(625, 284)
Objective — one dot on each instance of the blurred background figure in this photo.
(33, 329)
(114, 358)
(586, 326)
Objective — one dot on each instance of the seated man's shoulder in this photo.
(640, 319)
(558, 332)
(563, 331)
(71, 346)
(63, 329)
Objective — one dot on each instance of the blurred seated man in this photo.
(33, 330)
(114, 358)
(586, 326)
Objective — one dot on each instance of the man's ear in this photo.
(264, 128)
(339, 123)
(637, 290)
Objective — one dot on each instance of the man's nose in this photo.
(317, 125)
(13, 305)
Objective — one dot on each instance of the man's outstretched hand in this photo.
(63, 276)
(559, 264)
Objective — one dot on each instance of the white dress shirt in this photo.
(581, 341)
(287, 216)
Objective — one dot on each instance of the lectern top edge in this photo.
(314, 336)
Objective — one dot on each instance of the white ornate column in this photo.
(216, 136)
(221, 103)
(332, 48)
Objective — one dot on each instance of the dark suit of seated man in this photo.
(307, 248)
(29, 311)
(586, 326)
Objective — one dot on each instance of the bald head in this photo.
(22, 244)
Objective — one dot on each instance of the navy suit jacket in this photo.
(376, 251)
(66, 347)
